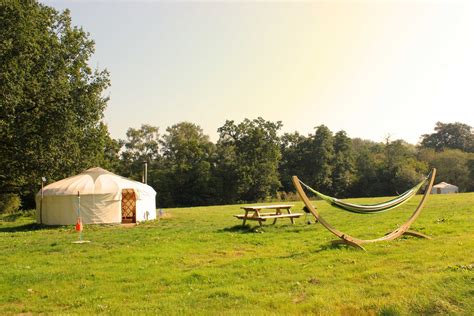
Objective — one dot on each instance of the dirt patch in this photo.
(128, 225)
(164, 216)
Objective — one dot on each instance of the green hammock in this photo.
(369, 209)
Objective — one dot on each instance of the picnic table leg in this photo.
(257, 214)
(291, 218)
(245, 218)
(278, 212)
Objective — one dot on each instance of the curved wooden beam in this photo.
(356, 242)
(347, 242)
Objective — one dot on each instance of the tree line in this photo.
(51, 125)
(251, 162)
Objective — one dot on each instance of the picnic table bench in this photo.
(256, 215)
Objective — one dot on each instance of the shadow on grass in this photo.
(331, 246)
(26, 228)
(242, 229)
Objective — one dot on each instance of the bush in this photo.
(9, 203)
(287, 196)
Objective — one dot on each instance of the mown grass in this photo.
(201, 261)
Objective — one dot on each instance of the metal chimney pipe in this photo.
(145, 172)
(43, 180)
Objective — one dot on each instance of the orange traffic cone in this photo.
(79, 225)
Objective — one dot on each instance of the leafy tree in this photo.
(400, 169)
(470, 166)
(292, 148)
(453, 166)
(141, 145)
(9, 203)
(253, 155)
(450, 136)
(386, 169)
(226, 173)
(51, 101)
(185, 175)
(110, 159)
(319, 159)
(369, 156)
(343, 164)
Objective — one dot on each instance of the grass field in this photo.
(200, 261)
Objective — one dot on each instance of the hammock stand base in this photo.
(349, 241)
(357, 243)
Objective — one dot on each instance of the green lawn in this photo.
(200, 261)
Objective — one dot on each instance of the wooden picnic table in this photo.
(256, 215)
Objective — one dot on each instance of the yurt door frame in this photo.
(129, 206)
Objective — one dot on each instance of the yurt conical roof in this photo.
(96, 181)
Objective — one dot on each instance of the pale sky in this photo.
(371, 68)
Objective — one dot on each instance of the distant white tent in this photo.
(444, 188)
(105, 198)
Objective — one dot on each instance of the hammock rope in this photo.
(366, 208)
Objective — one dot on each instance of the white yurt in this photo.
(444, 188)
(104, 198)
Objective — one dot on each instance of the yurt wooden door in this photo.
(129, 206)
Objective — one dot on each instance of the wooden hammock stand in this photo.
(357, 243)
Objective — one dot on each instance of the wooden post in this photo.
(245, 218)
(43, 180)
(291, 218)
(79, 224)
(79, 214)
(257, 214)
